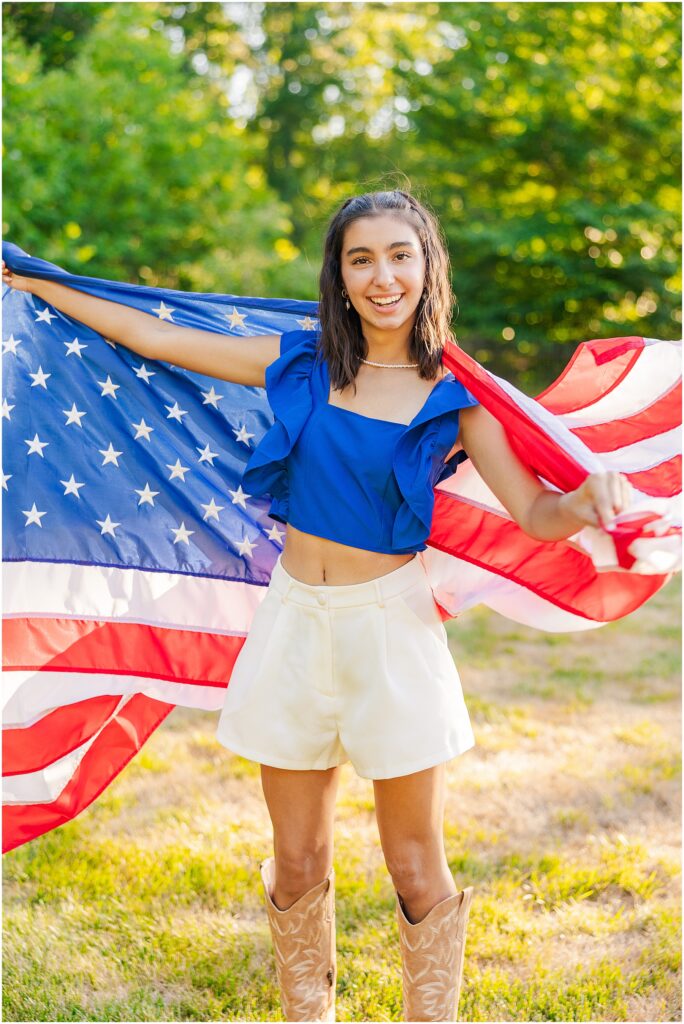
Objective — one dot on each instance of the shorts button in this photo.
(321, 598)
(381, 604)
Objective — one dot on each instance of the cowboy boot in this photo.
(305, 951)
(432, 953)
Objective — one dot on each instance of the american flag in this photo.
(133, 559)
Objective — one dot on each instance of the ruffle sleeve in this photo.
(288, 388)
(419, 460)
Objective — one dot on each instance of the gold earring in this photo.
(345, 297)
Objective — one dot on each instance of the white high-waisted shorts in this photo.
(359, 672)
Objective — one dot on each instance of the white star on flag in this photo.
(182, 533)
(40, 378)
(36, 446)
(45, 315)
(108, 387)
(239, 497)
(6, 409)
(33, 515)
(107, 526)
(164, 311)
(212, 510)
(142, 430)
(146, 495)
(11, 345)
(5, 478)
(177, 470)
(110, 456)
(206, 455)
(245, 547)
(308, 323)
(71, 486)
(236, 319)
(175, 412)
(74, 348)
(144, 374)
(275, 534)
(73, 415)
(211, 398)
(242, 435)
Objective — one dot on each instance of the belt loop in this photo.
(378, 594)
(288, 588)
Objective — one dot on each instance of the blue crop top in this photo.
(344, 476)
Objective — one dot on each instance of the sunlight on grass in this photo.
(564, 817)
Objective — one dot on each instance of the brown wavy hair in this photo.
(342, 344)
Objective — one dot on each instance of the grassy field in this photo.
(565, 817)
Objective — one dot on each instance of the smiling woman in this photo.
(345, 658)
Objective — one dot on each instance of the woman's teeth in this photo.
(386, 302)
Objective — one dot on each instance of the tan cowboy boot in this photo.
(432, 953)
(305, 951)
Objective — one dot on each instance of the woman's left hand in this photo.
(599, 499)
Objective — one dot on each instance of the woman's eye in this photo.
(361, 258)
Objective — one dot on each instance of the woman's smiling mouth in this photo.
(386, 301)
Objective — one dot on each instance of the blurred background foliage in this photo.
(204, 146)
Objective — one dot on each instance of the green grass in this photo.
(564, 817)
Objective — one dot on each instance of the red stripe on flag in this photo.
(54, 735)
(557, 571)
(117, 744)
(582, 383)
(119, 648)
(662, 415)
(661, 481)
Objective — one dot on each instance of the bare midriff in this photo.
(318, 561)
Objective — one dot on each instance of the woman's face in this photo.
(382, 258)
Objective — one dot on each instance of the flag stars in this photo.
(142, 430)
(110, 455)
(36, 446)
(107, 526)
(275, 534)
(5, 409)
(33, 515)
(40, 378)
(242, 435)
(74, 348)
(164, 312)
(182, 534)
(239, 497)
(177, 470)
(144, 374)
(175, 412)
(73, 415)
(308, 323)
(245, 547)
(147, 496)
(236, 319)
(212, 510)
(10, 346)
(108, 387)
(211, 398)
(71, 486)
(45, 316)
(5, 478)
(206, 455)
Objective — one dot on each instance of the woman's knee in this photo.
(301, 866)
(413, 868)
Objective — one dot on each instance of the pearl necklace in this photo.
(391, 366)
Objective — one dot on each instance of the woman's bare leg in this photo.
(410, 815)
(302, 809)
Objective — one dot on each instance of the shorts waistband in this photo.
(348, 595)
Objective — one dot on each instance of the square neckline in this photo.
(376, 419)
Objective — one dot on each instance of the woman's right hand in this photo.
(20, 284)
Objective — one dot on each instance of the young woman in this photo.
(347, 656)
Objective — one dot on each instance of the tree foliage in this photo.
(206, 145)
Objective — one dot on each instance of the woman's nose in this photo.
(384, 274)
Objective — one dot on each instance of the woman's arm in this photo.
(542, 513)
(240, 360)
